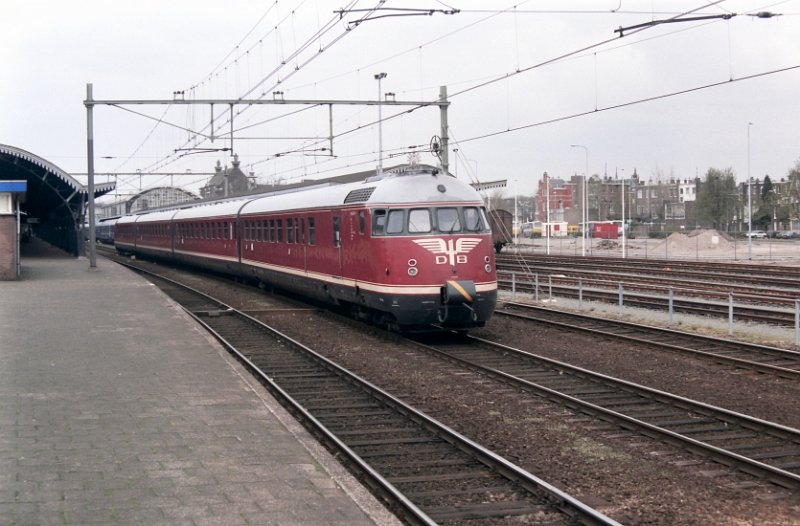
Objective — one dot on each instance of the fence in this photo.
(533, 286)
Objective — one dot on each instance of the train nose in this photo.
(458, 292)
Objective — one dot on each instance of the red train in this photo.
(407, 248)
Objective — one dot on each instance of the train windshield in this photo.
(440, 220)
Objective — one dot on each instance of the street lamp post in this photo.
(584, 199)
(379, 77)
(546, 228)
(749, 199)
(515, 225)
(623, 218)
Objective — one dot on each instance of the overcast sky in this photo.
(521, 89)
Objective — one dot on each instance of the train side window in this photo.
(394, 223)
(362, 222)
(290, 230)
(336, 232)
(302, 230)
(419, 220)
(312, 234)
(271, 230)
(378, 222)
(279, 230)
(447, 220)
(486, 222)
(472, 219)
(259, 230)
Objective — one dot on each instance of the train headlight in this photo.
(412, 267)
(487, 268)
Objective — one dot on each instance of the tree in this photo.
(716, 197)
(768, 204)
(794, 192)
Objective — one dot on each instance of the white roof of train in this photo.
(410, 184)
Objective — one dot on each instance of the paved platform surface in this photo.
(116, 408)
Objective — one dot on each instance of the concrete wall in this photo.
(8, 251)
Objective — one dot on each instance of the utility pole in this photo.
(90, 169)
(379, 77)
(444, 137)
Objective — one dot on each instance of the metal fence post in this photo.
(730, 313)
(671, 304)
(580, 293)
(621, 293)
(514, 286)
(550, 288)
(536, 287)
(797, 322)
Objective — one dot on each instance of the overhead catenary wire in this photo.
(167, 160)
(495, 79)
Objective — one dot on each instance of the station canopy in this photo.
(55, 202)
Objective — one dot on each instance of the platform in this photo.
(115, 407)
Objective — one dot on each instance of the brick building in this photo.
(10, 194)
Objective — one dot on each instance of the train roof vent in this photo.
(359, 196)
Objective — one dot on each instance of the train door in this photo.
(337, 241)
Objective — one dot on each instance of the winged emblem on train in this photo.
(450, 250)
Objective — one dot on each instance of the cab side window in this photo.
(378, 222)
(395, 223)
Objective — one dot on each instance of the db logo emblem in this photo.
(452, 251)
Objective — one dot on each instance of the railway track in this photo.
(426, 472)
(764, 276)
(751, 285)
(784, 363)
(763, 449)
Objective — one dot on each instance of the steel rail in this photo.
(608, 330)
(500, 355)
(548, 495)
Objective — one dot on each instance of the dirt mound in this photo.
(705, 240)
